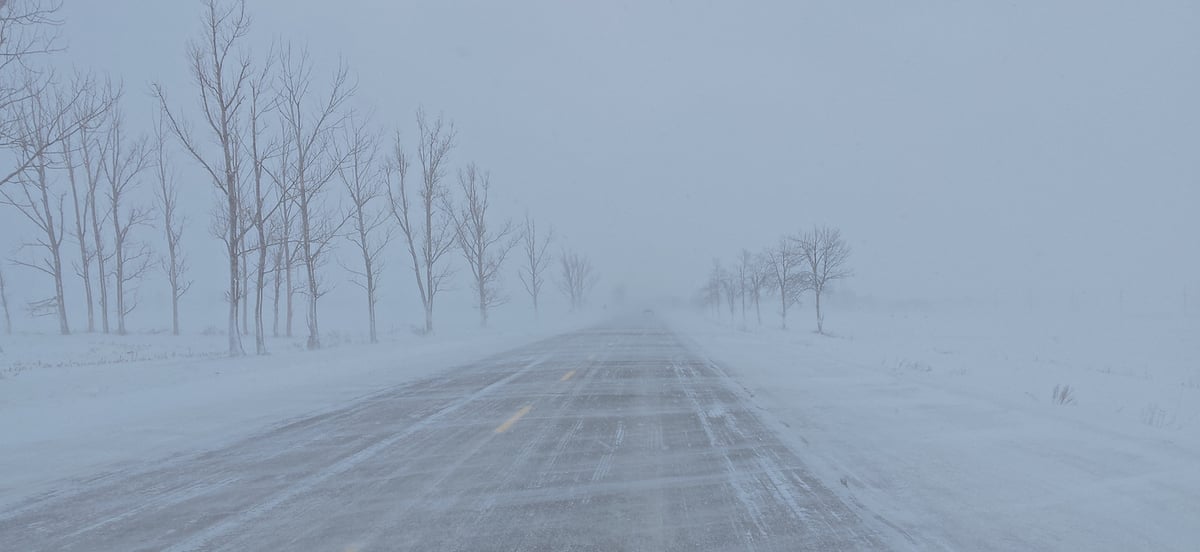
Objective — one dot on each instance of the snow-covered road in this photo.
(619, 437)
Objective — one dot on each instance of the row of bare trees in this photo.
(295, 170)
(75, 175)
(81, 184)
(799, 263)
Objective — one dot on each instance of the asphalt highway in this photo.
(619, 437)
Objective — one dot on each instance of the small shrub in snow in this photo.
(336, 338)
(1063, 395)
(1156, 416)
(914, 365)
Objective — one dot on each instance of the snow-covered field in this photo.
(946, 423)
(77, 405)
(943, 423)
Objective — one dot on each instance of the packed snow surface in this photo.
(72, 406)
(946, 423)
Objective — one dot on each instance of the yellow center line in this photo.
(567, 376)
(509, 423)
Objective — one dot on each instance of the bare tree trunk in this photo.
(260, 332)
(119, 280)
(783, 307)
(783, 261)
(739, 283)
(277, 280)
(757, 310)
(371, 313)
(260, 224)
(90, 109)
(92, 152)
(731, 296)
(760, 274)
(820, 320)
(235, 338)
(84, 269)
(54, 241)
(285, 252)
(291, 287)
(63, 325)
(125, 160)
(8, 328)
(261, 213)
(314, 331)
(175, 265)
(244, 286)
(536, 260)
(101, 257)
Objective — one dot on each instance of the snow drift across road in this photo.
(75, 406)
(948, 427)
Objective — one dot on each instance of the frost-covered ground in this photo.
(82, 404)
(945, 423)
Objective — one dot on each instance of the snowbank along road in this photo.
(614, 438)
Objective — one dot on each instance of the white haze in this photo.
(986, 151)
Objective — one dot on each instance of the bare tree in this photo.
(221, 75)
(83, 194)
(175, 264)
(35, 197)
(825, 255)
(729, 285)
(483, 248)
(760, 275)
(284, 258)
(244, 281)
(93, 148)
(277, 270)
(427, 229)
(536, 260)
(371, 230)
(124, 161)
(8, 328)
(264, 204)
(576, 278)
(745, 271)
(711, 293)
(309, 133)
(784, 262)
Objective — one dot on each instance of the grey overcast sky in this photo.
(964, 148)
